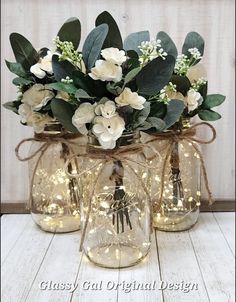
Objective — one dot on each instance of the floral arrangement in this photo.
(111, 86)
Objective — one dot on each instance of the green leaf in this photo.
(85, 82)
(21, 81)
(61, 69)
(182, 83)
(156, 123)
(24, 52)
(167, 44)
(71, 31)
(63, 112)
(209, 115)
(134, 40)
(140, 116)
(93, 45)
(158, 109)
(203, 90)
(174, 110)
(131, 75)
(66, 87)
(213, 100)
(81, 94)
(193, 39)
(132, 54)
(113, 38)
(16, 68)
(13, 106)
(155, 75)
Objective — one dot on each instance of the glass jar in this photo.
(178, 209)
(54, 202)
(118, 213)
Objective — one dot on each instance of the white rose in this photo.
(127, 97)
(192, 100)
(33, 119)
(37, 96)
(108, 130)
(107, 109)
(43, 66)
(106, 71)
(83, 115)
(196, 72)
(114, 55)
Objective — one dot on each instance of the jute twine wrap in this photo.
(106, 156)
(46, 140)
(174, 137)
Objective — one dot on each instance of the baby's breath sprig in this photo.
(151, 50)
(67, 80)
(68, 52)
(183, 63)
(196, 85)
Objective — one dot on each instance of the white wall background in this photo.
(39, 21)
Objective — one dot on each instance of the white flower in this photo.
(106, 71)
(192, 100)
(62, 95)
(33, 119)
(107, 109)
(114, 55)
(43, 66)
(196, 72)
(127, 97)
(195, 53)
(108, 130)
(37, 96)
(83, 115)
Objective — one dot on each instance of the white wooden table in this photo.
(202, 257)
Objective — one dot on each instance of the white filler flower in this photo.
(127, 97)
(108, 130)
(114, 55)
(107, 110)
(106, 71)
(43, 67)
(83, 115)
(192, 100)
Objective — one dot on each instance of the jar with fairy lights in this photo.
(115, 204)
(54, 200)
(176, 182)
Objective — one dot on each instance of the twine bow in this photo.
(47, 141)
(106, 156)
(188, 135)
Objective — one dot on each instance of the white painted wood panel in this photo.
(39, 21)
(200, 255)
(215, 259)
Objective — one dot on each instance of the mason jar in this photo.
(115, 208)
(54, 200)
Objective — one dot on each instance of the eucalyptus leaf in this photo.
(17, 69)
(192, 40)
(80, 93)
(23, 50)
(156, 123)
(63, 112)
(132, 54)
(134, 40)
(182, 83)
(71, 31)
(21, 81)
(155, 75)
(167, 44)
(131, 75)
(174, 110)
(158, 109)
(203, 90)
(93, 45)
(13, 106)
(140, 116)
(61, 69)
(213, 100)
(113, 38)
(209, 115)
(66, 87)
